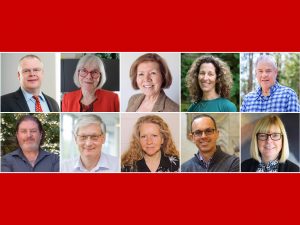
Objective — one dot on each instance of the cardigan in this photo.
(220, 162)
(162, 104)
(107, 101)
(250, 165)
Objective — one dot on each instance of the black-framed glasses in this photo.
(273, 136)
(207, 132)
(84, 72)
(83, 138)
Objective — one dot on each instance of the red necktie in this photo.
(38, 107)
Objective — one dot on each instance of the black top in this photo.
(16, 102)
(250, 165)
(167, 164)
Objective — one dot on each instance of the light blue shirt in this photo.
(106, 163)
(31, 101)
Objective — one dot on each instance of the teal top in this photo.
(214, 105)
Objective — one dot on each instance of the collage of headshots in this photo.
(150, 112)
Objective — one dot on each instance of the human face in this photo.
(31, 74)
(29, 136)
(266, 75)
(90, 140)
(149, 78)
(207, 78)
(150, 138)
(88, 82)
(205, 143)
(270, 149)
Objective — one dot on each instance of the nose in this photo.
(148, 76)
(149, 140)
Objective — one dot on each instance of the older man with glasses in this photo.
(210, 157)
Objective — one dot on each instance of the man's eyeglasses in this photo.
(84, 72)
(207, 132)
(273, 136)
(83, 138)
(32, 71)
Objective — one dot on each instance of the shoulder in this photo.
(105, 93)
(251, 95)
(228, 106)
(291, 167)
(188, 165)
(135, 97)
(170, 105)
(193, 107)
(72, 94)
(249, 165)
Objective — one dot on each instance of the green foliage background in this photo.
(50, 122)
(232, 59)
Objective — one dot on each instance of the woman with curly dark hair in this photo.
(209, 81)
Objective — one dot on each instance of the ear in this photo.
(191, 136)
(19, 75)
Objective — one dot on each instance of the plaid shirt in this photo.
(281, 99)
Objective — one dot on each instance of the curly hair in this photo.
(224, 77)
(135, 151)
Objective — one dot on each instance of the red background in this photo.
(156, 25)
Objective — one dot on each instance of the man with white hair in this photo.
(29, 97)
(270, 96)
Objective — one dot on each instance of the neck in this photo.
(34, 92)
(88, 96)
(207, 155)
(153, 161)
(266, 92)
(210, 95)
(89, 162)
(31, 155)
(151, 99)
(266, 161)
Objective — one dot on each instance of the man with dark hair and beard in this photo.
(29, 157)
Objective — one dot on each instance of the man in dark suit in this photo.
(29, 98)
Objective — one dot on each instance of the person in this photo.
(209, 81)
(270, 96)
(29, 97)
(150, 74)
(210, 157)
(90, 76)
(30, 157)
(269, 148)
(90, 134)
(152, 148)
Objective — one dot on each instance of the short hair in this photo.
(90, 59)
(266, 58)
(30, 57)
(151, 57)
(223, 81)
(202, 116)
(135, 152)
(89, 119)
(263, 126)
(35, 120)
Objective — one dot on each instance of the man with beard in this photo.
(29, 97)
(210, 157)
(29, 157)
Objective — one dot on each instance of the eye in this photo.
(140, 74)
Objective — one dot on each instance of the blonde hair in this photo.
(135, 151)
(263, 126)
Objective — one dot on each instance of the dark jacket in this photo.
(220, 162)
(16, 102)
(250, 165)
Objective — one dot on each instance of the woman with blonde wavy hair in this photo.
(209, 81)
(152, 148)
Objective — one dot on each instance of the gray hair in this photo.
(29, 57)
(89, 119)
(266, 58)
(90, 59)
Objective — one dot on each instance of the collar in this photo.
(102, 164)
(272, 91)
(19, 153)
(28, 96)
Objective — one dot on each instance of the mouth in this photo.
(148, 86)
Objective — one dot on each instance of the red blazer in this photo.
(107, 101)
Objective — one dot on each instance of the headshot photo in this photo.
(270, 82)
(150, 82)
(90, 82)
(90, 142)
(30, 142)
(150, 142)
(210, 82)
(270, 142)
(210, 142)
(29, 82)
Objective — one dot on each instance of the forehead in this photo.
(89, 129)
(202, 123)
(144, 127)
(207, 66)
(271, 128)
(265, 64)
(90, 65)
(28, 124)
(31, 62)
(148, 65)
